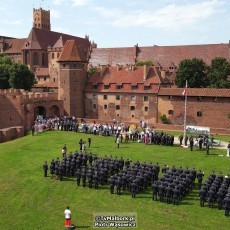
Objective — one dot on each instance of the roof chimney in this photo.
(146, 71)
(163, 74)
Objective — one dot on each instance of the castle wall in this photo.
(202, 111)
(123, 109)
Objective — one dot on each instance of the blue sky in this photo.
(124, 23)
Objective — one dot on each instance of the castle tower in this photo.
(41, 19)
(72, 79)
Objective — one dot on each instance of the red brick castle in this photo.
(118, 89)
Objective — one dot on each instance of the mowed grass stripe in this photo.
(30, 201)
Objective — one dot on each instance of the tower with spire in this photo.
(72, 79)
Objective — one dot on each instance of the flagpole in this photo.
(185, 110)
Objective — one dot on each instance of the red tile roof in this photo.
(47, 85)
(165, 56)
(14, 45)
(168, 56)
(41, 39)
(71, 52)
(42, 72)
(195, 92)
(113, 56)
(125, 77)
(60, 43)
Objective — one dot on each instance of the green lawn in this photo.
(30, 201)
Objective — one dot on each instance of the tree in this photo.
(5, 59)
(218, 73)
(21, 77)
(142, 63)
(4, 76)
(91, 71)
(194, 71)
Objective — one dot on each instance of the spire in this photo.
(72, 52)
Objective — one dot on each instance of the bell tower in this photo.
(41, 19)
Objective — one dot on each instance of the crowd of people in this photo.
(216, 189)
(124, 176)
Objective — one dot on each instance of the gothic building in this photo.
(117, 89)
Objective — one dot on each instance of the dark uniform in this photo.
(45, 168)
(226, 202)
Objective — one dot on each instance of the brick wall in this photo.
(96, 107)
(71, 88)
(214, 112)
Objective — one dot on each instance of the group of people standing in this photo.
(123, 176)
(216, 189)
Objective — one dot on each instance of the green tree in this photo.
(5, 59)
(4, 76)
(142, 63)
(218, 73)
(194, 71)
(91, 71)
(21, 77)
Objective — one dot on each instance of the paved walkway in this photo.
(223, 144)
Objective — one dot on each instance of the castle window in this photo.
(146, 87)
(94, 106)
(119, 86)
(43, 59)
(105, 106)
(146, 98)
(117, 107)
(132, 115)
(198, 98)
(52, 55)
(146, 109)
(132, 108)
(94, 86)
(118, 115)
(199, 113)
(53, 79)
(133, 98)
(133, 87)
(58, 54)
(170, 112)
(118, 97)
(35, 58)
(106, 86)
(63, 65)
(44, 78)
(94, 96)
(105, 97)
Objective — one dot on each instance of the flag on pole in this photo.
(184, 91)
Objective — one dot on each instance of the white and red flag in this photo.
(184, 91)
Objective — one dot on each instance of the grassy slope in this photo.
(30, 201)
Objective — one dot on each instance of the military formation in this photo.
(216, 190)
(123, 176)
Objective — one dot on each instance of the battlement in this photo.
(28, 97)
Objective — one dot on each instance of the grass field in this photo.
(30, 201)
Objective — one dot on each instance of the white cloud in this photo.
(80, 2)
(55, 13)
(169, 17)
(58, 2)
(13, 22)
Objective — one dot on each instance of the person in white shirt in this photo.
(67, 213)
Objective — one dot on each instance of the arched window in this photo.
(35, 58)
(43, 59)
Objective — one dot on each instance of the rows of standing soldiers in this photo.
(122, 176)
(216, 189)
